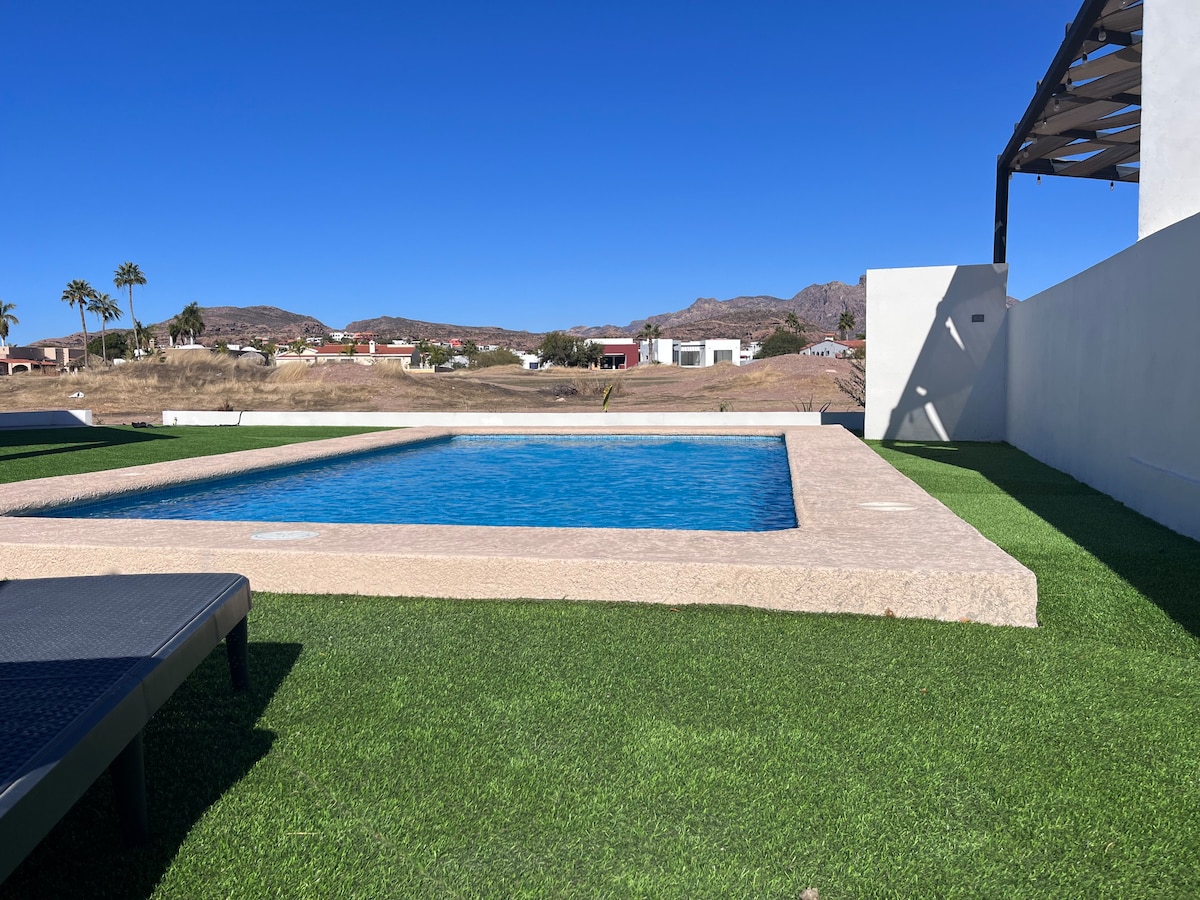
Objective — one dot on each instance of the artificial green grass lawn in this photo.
(407, 747)
(70, 451)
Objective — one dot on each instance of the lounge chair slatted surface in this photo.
(84, 663)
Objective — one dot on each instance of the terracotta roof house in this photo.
(363, 354)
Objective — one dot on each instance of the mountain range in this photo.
(748, 318)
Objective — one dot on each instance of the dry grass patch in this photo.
(204, 381)
(290, 374)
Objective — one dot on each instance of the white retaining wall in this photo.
(936, 362)
(46, 418)
(1104, 376)
(850, 420)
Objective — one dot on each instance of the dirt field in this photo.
(192, 380)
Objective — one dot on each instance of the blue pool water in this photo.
(693, 483)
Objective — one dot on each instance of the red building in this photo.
(620, 356)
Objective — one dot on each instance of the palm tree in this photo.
(6, 318)
(845, 323)
(191, 321)
(127, 275)
(650, 334)
(792, 321)
(141, 336)
(105, 308)
(79, 292)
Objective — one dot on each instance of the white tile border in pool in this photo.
(869, 541)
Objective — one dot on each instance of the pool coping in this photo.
(868, 541)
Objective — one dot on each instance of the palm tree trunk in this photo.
(136, 343)
(83, 323)
(103, 341)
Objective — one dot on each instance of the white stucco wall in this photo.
(932, 373)
(850, 420)
(46, 418)
(733, 346)
(1169, 188)
(1104, 376)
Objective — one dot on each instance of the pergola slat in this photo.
(1127, 81)
(1117, 120)
(1110, 156)
(1073, 118)
(1117, 61)
(1122, 19)
(1078, 142)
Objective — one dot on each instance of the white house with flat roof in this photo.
(692, 354)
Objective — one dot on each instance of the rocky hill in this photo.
(748, 318)
(818, 306)
(405, 329)
(240, 324)
(231, 324)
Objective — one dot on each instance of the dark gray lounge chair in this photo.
(84, 663)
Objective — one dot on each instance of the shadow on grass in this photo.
(198, 745)
(68, 440)
(1159, 563)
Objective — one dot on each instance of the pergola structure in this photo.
(1085, 118)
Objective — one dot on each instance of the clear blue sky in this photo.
(534, 165)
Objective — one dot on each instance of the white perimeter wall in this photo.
(1169, 182)
(1104, 376)
(850, 420)
(46, 418)
(932, 373)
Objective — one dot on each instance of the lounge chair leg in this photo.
(237, 648)
(129, 787)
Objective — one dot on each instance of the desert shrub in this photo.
(392, 370)
(485, 359)
(590, 387)
(291, 373)
(116, 344)
(781, 343)
(854, 385)
(562, 349)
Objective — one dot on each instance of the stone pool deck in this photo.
(869, 541)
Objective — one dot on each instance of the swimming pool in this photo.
(687, 482)
(868, 540)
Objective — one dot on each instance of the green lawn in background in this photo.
(404, 747)
(39, 453)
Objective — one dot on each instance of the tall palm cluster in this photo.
(79, 293)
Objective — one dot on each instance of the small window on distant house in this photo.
(977, 317)
(689, 358)
(722, 356)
